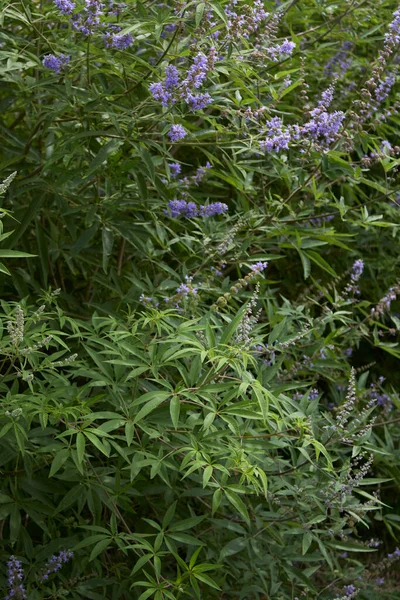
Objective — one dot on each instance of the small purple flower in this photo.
(350, 589)
(201, 171)
(175, 169)
(185, 289)
(160, 93)
(287, 47)
(15, 577)
(259, 267)
(55, 563)
(176, 133)
(198, 101)
(50, 61)
(395, 554)
(171, 77)
(210, 210)
(383, 89)
(385, 147)
(65, 6)
(115, 40)
(356, 272)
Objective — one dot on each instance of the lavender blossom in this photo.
(89, 19)
(384, 303)
(181, 208)
(15, 577)
(383, 89)
(186, 289)
(201, 171)
(340, 62)
(198, 101)
(50, 61)
(172, 89)
(115, 40)
(55, 563)
(65, 6)
(259, 267)
(356, 272)
(210, 210)
(176, 133)
(175, 169)
(323, 127)
(277, 138)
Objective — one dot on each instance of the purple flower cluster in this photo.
(218, 272)
(88, 20)
(50, 61)
(284, 49)
(259, 267)
(319, 221)
(324, 126)
(116, 40)
(175, 169)
(55, 563)
(340, 62)
(380, 398)
(355, 274)
(181, 208)
(385, 147)
(277, 138)
(186, 289)
(15, 577)
(115, 9)
(176, 133)
(322, 129)
(173, 89)
(312, 395)
(350, 589)
(394, 34)
(201, 171)
(383, 89)
(384, 303)
(244, 25)
(66, 7)
(395, 554)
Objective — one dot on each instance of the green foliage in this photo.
(189, 421)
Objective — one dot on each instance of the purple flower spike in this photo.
(50, 61)
(15, 578)
(259, 267)
(175, 169)
(65, 6)
(55, 563)
(176, 133)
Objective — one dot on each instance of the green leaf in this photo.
(238, 504)
(58, 461)
(15, 254)
(80, 446)
(232, 547)
(150, 406)
(101, 157)
(199, 13)
(207, 473)
(174, 409)
(99, 548)
(306, 263)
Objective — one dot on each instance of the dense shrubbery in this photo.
(199, 350)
